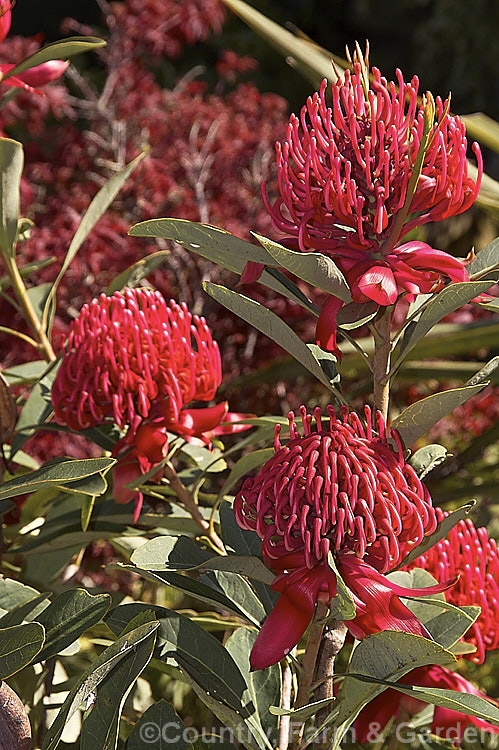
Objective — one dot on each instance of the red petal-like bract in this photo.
(468, 551)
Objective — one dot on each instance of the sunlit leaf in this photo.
(486, 262)
(427, 458)
(11, 167)
(59, 50)
(101, 723)
(263, 688)
(58, 474)
(269, 323)
(18, 647)
(68, 616)
(87, 683)
(133, 275)
(451, 298)
(96, 209)
(417, 418)
(314, 268)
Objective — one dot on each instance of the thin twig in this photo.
(309, 661)
(284, 721)
(332, 642)
(187, 501)
(382, 352)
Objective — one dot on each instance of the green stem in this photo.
(187, 501)
(28, 311)
(306, 677)
(382, 353)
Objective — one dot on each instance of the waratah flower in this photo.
(138, 361)
(468, 551)
(36, 76)
(446, 722)
(130, 352)
(337, 490)
(357, 176)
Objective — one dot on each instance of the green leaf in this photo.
(87, 506)
(181, 553)
(11, 168)
(244, 565)
(443, 528)
(448, 627)
(314, 268)
(58, 474)
(243, 466)
(14, 593)
(133, 275)
(59, 50)
(356, 314)
(270, 324)
(197, 652)
(85, 685)
(342, 605)
(245, 542)
(206, 460)
(208, 592)
(222, 248)
(25, 611)
(208, 241)
(170, 553)
(96, 209)
(427, 458)
(67, 618)
(26, 372)
(18, 647)
(263, 688)
(239, 591)
(386, 656)
(451, 298)
(417, 418)
(230, 718)
(492, 305)
(101, 723)
(36, 410)
(159, 726)
(466, 703)
(486, 262)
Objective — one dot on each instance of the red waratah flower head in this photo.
(471, 554)
(446, 723)
(138, 361)
(128, 352)
(355, 177)
(339, 489)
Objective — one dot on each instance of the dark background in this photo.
(450, 44)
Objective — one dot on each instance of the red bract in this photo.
(337, 490)
(471, 554)
(128, 351)
(446, 723)
(347, 182)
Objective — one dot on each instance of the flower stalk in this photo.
(40, 338)
(382, 354)
(187, 501)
